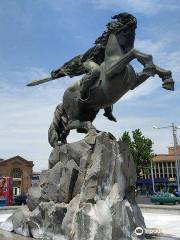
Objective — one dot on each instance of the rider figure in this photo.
(89, 63)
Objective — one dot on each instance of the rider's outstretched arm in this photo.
(71, 68)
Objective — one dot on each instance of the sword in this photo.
(34, 83)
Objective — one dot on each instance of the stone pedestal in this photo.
(86, 194)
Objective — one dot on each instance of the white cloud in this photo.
(161, 138)
(150, 46)
(26, 113)
(24, 126)
(143, 90)
(148, 7)
(32, 73)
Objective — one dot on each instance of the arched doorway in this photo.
(16, 174)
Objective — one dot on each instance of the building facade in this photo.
(164, 173)
(20, 170)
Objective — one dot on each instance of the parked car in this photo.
(162, 198)
(20, 199)
(177, 193)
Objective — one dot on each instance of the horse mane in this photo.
(124, 21)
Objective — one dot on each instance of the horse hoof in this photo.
(168, 84)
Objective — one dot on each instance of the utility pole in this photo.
(174, 128)
(152, 176)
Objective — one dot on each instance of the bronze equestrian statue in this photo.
(108, 77)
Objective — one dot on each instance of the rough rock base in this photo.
(86, 194)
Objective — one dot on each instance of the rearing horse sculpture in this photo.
(116, 78)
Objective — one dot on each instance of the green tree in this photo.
(141, 149)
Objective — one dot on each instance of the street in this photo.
(143, 200)
(146, 201)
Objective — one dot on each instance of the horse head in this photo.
(124, 30)
(126, 39)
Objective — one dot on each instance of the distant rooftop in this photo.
(170, 157)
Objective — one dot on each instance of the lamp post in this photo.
(174, 131)
(152, 176)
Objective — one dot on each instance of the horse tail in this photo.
(57, 130)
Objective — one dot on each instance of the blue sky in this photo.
(37, 36)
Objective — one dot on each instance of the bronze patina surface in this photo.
(108, 77)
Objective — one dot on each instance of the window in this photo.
(16, 173)
(16, 185)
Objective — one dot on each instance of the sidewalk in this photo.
(168, 223)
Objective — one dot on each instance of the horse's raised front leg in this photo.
(149, 68)
(165, 75)
(116, 66)
(162, 73)
(147, 61)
